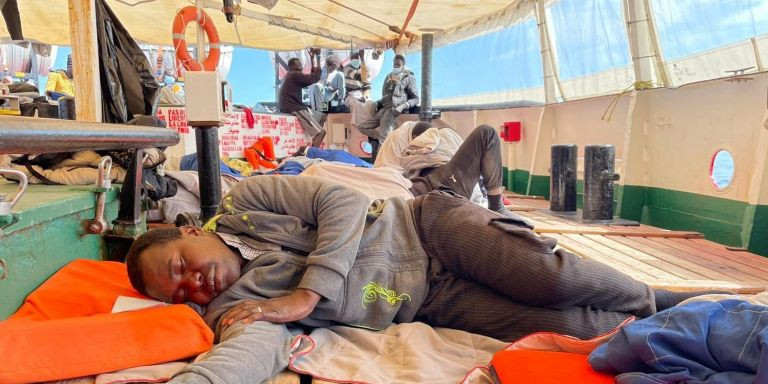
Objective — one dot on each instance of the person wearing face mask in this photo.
(171, 93)
(398, 95)
(357, 79)
(60, 82)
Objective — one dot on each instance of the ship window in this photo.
(721, 169)
(365, 146)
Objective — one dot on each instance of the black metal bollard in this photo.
(562, 189)
(67, 108)
(599, 175)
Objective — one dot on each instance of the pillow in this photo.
(65, 329)
(543, 367)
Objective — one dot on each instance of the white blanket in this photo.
(376, 183)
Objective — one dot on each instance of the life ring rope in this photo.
(183, 17)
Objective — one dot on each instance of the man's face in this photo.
(398, 63)
(196, 267)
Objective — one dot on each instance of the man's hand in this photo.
(286, 309)
(401, 107)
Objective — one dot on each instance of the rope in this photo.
(638, 85)
(359, 13)
(411, 12)
(335, 19)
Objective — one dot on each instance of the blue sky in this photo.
(510, 59)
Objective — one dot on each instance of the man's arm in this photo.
(306, 80)
(337, 212)
(413, 93)
(246, 354)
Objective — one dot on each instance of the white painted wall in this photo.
(664, 138)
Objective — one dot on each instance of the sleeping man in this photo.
(438, 159)
(288, 252)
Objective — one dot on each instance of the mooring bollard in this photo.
(67, 108)
(599, 175)
(562, 189)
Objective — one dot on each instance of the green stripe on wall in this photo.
(721, 220)
(718, 219)
(758, 236)
(516, 180)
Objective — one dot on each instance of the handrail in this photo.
(26, 135)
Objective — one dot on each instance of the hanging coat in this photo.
(128, 85)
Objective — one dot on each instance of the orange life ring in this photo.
(184, 16)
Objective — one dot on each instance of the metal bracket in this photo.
(7, 217)
(103, 184)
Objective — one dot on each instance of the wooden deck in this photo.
(676, 260)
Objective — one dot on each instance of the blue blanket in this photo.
(698, 343)
(189, 163)
(336, 155)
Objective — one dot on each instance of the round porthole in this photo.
(365, 146)
(721, 169)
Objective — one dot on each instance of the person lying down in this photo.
(289, 252)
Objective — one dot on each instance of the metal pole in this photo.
(25, 135)
(426, 77)
(207, 140)
(200, 34)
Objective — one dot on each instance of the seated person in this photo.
(284, 252)
(438, 159)
(60, 82)
(398, 95)
(290, 97)
(330, 89)
(357, 81)
(171, 93)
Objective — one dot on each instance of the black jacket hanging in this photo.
(128, 85)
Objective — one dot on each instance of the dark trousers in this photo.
(493, 277)
(479, 155)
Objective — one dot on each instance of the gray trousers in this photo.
(479, 155)
(308, 122)
(380, 125)
(495, 278)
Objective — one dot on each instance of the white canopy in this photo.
(289, 25)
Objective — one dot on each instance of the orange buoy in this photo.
(183, 18)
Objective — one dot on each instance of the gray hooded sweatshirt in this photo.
(366, 262)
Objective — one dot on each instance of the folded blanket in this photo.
(700, 342)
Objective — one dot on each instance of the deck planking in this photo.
(678, 260)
